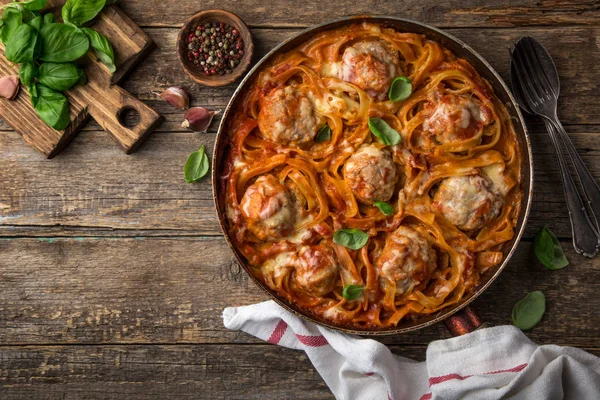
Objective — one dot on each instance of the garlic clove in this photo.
(9, 86)
(198, 119)
(176, 96)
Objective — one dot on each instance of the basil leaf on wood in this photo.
(529, 311)
(384, 132)
(384, 207)
(400, 89)
(353, 239)
(548, 250)
(59, 77)
(33, 94)
(49, 18)
(27, 73)
(352, 292)
(52, 107)
(23, 45)
(78, 12)
(102, 48)
(324, 134)
(196, 166)
(63, 43)
(12, 18)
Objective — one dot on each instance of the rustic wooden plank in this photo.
(449, 13)
(161, 290)
(159, 372)
(92, 189)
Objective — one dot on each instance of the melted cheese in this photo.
(496, 174)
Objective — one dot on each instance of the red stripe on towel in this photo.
(278, 332)
(312, 341)
(426, 396)
(439, 379)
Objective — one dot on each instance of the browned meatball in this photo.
(372, 66)
(371, 174)
(267, 208)
(287, 116)
(316, 270)
(407, 259)
(469, 202)
(453, 118)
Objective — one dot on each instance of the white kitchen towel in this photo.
(492, 363)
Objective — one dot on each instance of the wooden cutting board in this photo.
(99, 98)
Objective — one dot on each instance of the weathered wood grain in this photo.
(160, 290)
(469, 13)
(92, 189)
(159, 372)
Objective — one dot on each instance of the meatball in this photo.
(316, 269)
(469, 202)
(371, 174)
(267, 208)
(287, 116)
(453, 118)
(407, 259)
(371, 66)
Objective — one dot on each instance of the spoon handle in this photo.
(585, 236)
(590, 187)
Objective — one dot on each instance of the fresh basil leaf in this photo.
(59, 77)
(29, 15)
(548, 250)
(384, 207)
(384, 132)
(52, 107)
(12, 18)
(78, 12)
(352, 292)
(27, 73)
(23, 45)
(49, 18)
(37, 22)
(400, 89)
(33, 94)
(34, 5)
(529, 311)
(196, 166)
(324, 134)
(102, 48)
(353, 239)
(63, 43)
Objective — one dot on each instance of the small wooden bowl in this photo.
(215, 16)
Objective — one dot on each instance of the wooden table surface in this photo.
(113, 270)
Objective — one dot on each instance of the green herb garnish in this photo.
(548, 250)
(196, 166)
(529, 311)
(24, 45)
(384, 132)
(78, 12)
(353, 239)
(59, 77)
(27, 73)
(384, 207)
(400, 89)
(324, 134)
(102, 48)
(352, 292)
(51, 106)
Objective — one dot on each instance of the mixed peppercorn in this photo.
(215, 47)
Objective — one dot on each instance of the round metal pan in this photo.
(461, 50)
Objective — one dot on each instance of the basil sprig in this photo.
(400, 89)
(46, 50)
(324, 134)
(388, 135)
(78, 12)
(528, 312)
(548, 250)
(384, 207)
(197, 166)
(352, 292)
(354, 239)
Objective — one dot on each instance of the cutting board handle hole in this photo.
(129, 117)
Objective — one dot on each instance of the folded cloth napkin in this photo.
(491, 363)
